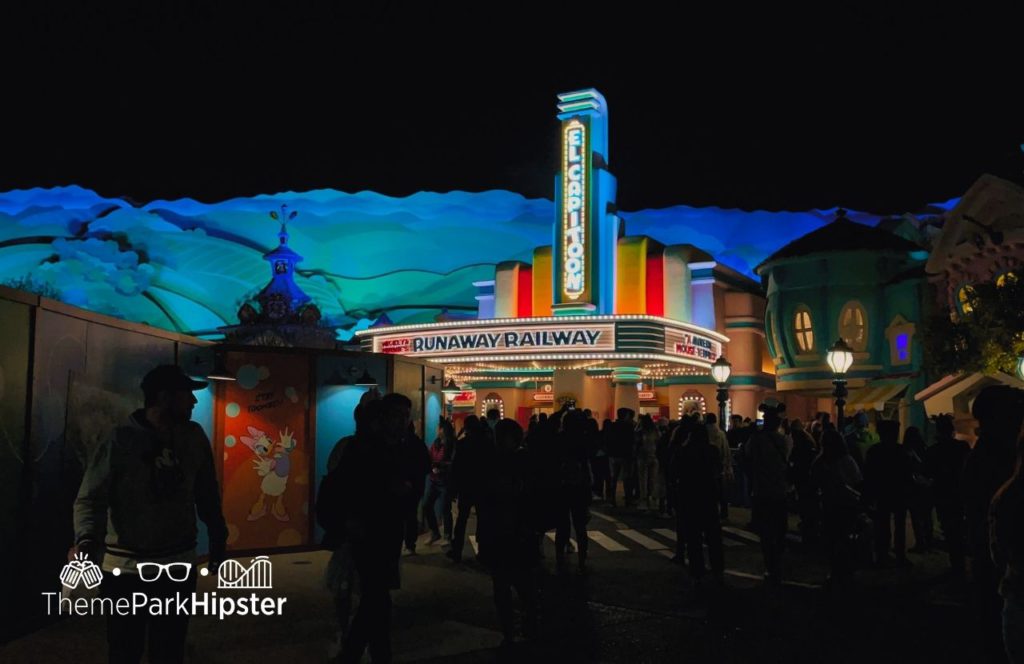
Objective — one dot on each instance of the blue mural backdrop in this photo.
(187, 266)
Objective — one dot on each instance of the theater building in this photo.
(599, 317)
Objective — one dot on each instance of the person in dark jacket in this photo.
(376, 489)
(887, 482)
(999, 410)
(1006, 541)
(920, 499)
(767, 457)
(697, 466)
(473, 455)
(137, 504)
(836, 475)
(622, 455)
(416, 466)
(506, 532)
(800, 460)
(574, 487)
(943, 465)
(678, 437)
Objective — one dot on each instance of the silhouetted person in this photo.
(493, 415)
(698, 468)
(725, 476)
(800, 460)
(647, 462)
(944, 466)
(860, 439)
(437, 506)
(920, 499)
(574, 488)
(506, 531)
(999, 411)
(1006, 536)
(678, 438)
(836, 475)
(416, 466)
(768, 460)
(473, 453)
(377, 487)
(621, 454)
(887, 481)
(603, 487)
(340, 573)
(138, 503)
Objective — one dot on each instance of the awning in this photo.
(874, 397)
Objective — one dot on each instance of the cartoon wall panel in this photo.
(265, 450)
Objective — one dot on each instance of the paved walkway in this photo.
(634, 606)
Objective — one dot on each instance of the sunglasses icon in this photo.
(150, 572)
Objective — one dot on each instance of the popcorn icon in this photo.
(81, 570)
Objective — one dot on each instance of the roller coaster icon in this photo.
(255, 576)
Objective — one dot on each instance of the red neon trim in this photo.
(656, 283)
(525, 309)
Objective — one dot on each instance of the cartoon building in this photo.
(864, 285)
(599, 317)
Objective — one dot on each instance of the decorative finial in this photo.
(284, 216)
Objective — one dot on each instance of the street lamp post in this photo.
(840, 359)
(720, 371)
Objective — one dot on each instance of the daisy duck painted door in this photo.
(263, 440)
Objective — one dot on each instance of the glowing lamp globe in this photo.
(839, 358)
(721, 370)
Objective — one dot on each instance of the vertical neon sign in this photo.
(575, 211)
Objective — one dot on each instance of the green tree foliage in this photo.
(989, 338)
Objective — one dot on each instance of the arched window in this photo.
(803, 329)
(692, 402)
(492, 400)
(965, 299)
(853, 326)
(1005, 278)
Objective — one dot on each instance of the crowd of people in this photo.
(852, 489)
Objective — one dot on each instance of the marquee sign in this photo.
(575, 208)
(533, 339)
(689, 344)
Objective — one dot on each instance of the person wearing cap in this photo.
(138, 503)
(999, 410)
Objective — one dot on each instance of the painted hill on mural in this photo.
(187, 266)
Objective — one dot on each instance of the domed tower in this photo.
(281, 314)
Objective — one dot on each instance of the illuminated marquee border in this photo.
(563, 320)
(573, 125)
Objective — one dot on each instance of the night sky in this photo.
(877, 112)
